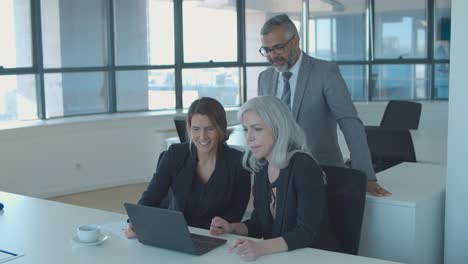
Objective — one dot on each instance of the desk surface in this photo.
(411, 183)
(42, 230)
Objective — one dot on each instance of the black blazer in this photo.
(301, 216)
(228, 194)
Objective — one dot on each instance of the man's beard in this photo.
(282, 68)
(287, 63)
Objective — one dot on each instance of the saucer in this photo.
(100, 240)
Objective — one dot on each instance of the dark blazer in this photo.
(229, 188)
(301, 216)
(321, 101)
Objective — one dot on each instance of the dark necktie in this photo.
(286, 96)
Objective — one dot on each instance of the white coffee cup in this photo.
(88, 233)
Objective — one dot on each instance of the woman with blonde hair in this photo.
(289, 191)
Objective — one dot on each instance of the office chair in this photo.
(401, 115)
(346, 196)
(180, 122)
(389, 147)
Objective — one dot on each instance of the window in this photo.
(210, 31)
(74, 33)
(145, 90)
(441, 80)
(108, 56)
(337, 30)
(76, 93)
(18, 100)
(400, 29)
(355, 77)
(144, 32)
(442, 22)
(15, 36)
(252, 80)
(18, 97)
(219, 83)
(400, 81)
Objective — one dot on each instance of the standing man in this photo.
(316, 94)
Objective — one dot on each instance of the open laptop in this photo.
(167, 229)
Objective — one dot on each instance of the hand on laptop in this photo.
(130, 233)
(220, 226)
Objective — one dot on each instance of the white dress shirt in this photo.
(292, 81)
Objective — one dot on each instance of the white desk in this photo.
(409, 225)
(42, 230)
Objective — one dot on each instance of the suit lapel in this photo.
(302, 80)
(272, 82)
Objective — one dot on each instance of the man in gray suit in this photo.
(316, 93)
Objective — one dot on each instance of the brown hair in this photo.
(214, 111)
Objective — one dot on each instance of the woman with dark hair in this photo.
(289, 193)
(205, 175)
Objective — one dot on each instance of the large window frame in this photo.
(179, 65)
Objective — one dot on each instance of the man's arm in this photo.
(340, 103)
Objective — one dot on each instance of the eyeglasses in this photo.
(277, 49)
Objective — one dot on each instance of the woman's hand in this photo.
(129, 232)
(220, 226)
(248, 250)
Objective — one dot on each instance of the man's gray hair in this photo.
(288, 135)
(279, 21)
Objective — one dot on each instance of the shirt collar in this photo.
(295, 68)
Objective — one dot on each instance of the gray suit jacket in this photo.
(321, 100)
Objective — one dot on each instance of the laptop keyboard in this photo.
(202, 247)
(205, 239)
(205, 243)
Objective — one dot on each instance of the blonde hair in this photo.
(288, 135)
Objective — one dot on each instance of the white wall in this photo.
(80, 154)
(456, 207)
(51, 160)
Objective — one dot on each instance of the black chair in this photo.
(180, 122)
(401, 115)
(346, 196)
(389, 147)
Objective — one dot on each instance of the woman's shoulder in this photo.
(232, 152)
(178, 147)
(178, 151)
(301, 156)
(303, 166)
(303, 160)
(178, 154)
